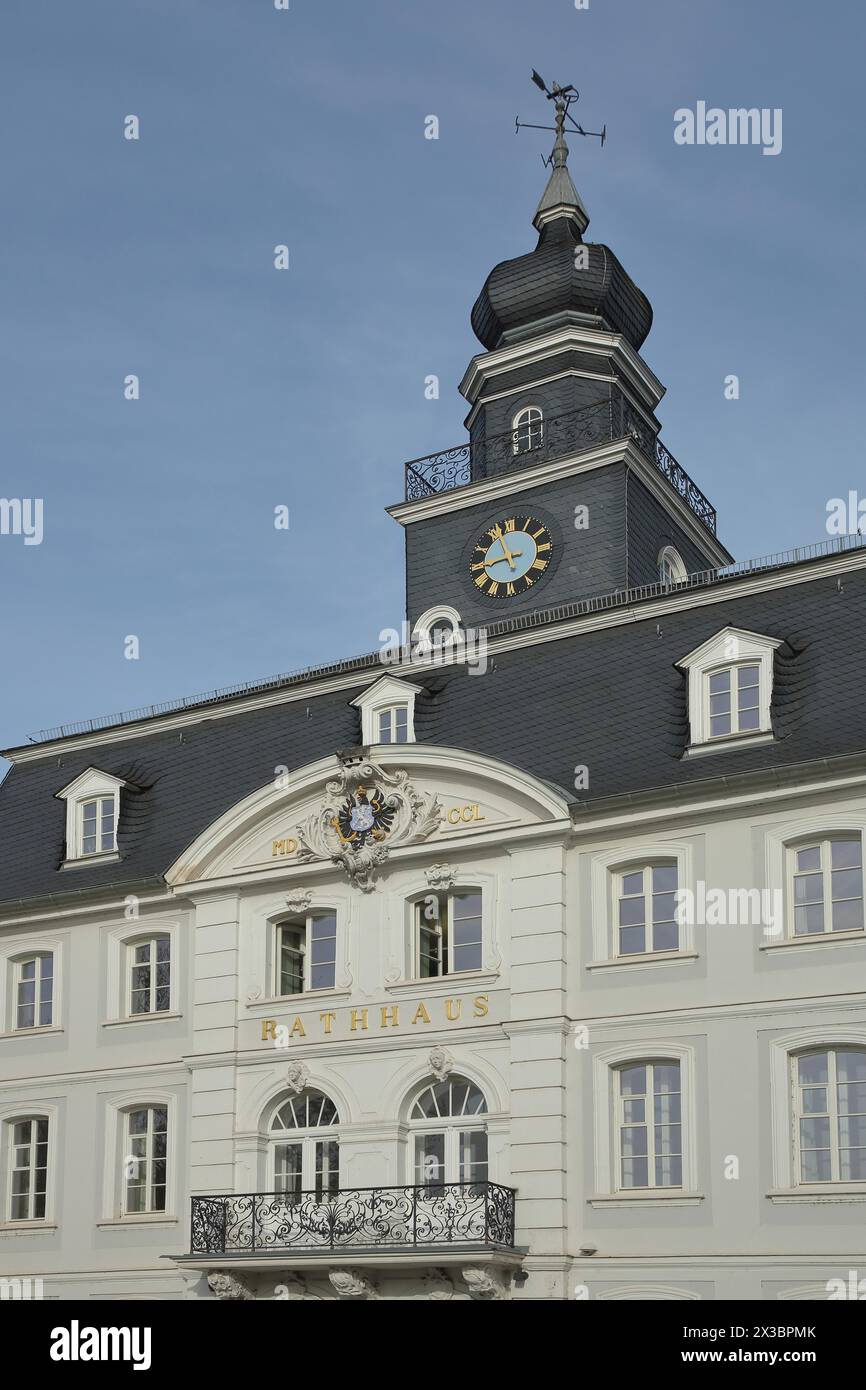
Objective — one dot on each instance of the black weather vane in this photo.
(563, 98)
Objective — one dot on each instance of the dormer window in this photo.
(98, 821)
(92, 813)
(671, 567)
(527, 429)
(730, 689)
(387, 711)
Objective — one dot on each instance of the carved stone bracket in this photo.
(487, 1283)
(299, 902)
(439, 1285)
(229, 1286)
(348, 1283)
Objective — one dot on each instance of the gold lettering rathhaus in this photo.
(365, 814)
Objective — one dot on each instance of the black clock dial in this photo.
(511, 556)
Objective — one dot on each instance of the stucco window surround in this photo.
(781, 843)
(784, 1052)
(117, 1111)
(403, 962)
(12, 953)
(379, 705)
(605, 1066)
(605, 871)
(119, 943)
(10, 1114)
(92, 816)
(733, 654)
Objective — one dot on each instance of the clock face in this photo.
(511, 556)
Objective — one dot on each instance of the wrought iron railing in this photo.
(613, 418)
(362, 1218)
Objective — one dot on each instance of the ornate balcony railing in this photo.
(362, 1218)
(609, 419)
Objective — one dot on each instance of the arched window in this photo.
(305, 1151)
(449, 1133)
(826, 878)
(829, 1088)
(649, 1124)
(671, 567)
(527, 430)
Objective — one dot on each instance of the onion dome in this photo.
(552, 286)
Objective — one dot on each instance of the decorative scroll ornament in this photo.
(441, 1063)
(348, 1283)
(441, 875)
(297, 1077)
(366, 813)
(299, 902)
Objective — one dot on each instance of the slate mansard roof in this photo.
(608, 697)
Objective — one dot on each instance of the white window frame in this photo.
(786, 1186)
(18, 964)
(645, 868)
(148, 1158)
(823, 843)
(671, 566)
(422, 633)
(118, 940)
(385, 694)
(531, 419)
(117, 1113)
(302, 921)
(832, 1112)
(605, 1064)
(12, 954)
(92, 785)
(780, 840)
(605, 868)
(417, 902)
(132, 944)
(731, 647)
(648, 1123)
(9, 1122)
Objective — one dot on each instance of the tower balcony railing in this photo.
(448, 1215)
(550, 439)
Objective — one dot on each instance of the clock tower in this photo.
(563, 490)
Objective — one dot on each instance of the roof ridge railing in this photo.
(612, 417)
(619, 598)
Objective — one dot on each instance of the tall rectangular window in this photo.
(34, 992)
(394, 724)
(28, 1169)
(734, 695)
(145, 1160)
(647, 912)
(828, 886)
(830, 1095)
(150, 975)
(649, 1125)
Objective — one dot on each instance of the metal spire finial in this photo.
(560, 197)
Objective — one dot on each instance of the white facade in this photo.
(542, 1027)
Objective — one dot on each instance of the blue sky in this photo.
(306, 387)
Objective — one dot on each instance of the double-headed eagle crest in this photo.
(365, 814)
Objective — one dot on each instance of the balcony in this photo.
(452, 1218)
(600, 422)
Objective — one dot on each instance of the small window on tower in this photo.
(527, 430)
(671, 567)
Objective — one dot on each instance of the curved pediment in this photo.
(358, 812)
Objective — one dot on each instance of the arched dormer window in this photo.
(527, 430)
(449, 1133)
(304, 1146)
(671, 567)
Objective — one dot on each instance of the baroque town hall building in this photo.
(529, 967)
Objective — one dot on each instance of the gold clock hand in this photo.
(499, 558)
